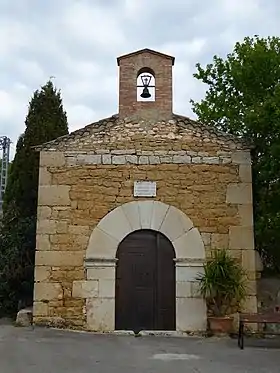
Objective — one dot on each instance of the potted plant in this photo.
(223, 287)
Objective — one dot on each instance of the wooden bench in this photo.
(256, 318)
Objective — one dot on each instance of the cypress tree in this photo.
(45, 121)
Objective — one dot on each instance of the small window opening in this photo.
(146, 85)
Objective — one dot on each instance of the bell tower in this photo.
(145, 85)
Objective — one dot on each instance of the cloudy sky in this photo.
(77, 42)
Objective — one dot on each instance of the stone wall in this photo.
(76, 190)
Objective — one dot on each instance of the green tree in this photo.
(45, 121)
(243, 98)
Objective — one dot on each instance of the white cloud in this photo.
(77, 42)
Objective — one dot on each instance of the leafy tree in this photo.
(243, 98)
(45, 121)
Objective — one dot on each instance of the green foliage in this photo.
(45, 121)
(223, 283)
(243, 98)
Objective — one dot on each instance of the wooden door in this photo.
(145, 283)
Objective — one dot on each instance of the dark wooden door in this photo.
(145, 283)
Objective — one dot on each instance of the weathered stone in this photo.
(182, 159)
(53, 195)
(47, 291)
(133, 159)
(241, 157)
(196, 160)
(245, 173)
(40, 309)
(24, 317)
(219, 241)
(118, 159)
(42, 273)
(44, 212)
(43, 242)
(59, 258)
(106, 288)
(106, 159)
(245, 213)
(45, 177)
(183, 289)
(241, 238)
(143, 159)
(85, 289)
(52, 159)
(211, 160)
(239, 193)
(154, 159)
(45, 227)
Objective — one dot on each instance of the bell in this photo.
(145, 93)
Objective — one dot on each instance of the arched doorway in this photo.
(145, 282)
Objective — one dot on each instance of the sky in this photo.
(76, 43)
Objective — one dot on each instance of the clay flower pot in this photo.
(220, 325)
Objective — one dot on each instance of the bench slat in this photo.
(260, 318)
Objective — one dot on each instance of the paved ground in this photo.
(53, 351)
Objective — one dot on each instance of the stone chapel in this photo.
(131, 206)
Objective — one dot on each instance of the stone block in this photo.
(44, 212)
(59, 258)
(159, 213)
(175, 224)
(191, 314)
(143, 159)
(24, 317)
(245, 173)
(211, 160)
(206, 238)
(183, 289)
(249, 260)
(106, 288)
(62, 226)
(92, 159)
(188, 274)
(145, 213)
(189, 245)
(47, 291)
(101, 314)
(42, 273)
(241, 238)
(131, 211)
(105, 273)
(239, 193)
(196, 160)
(245, 213)
(106, 159)
(85, 289)
(102, 244)
(43, 242)
(133, 159)
(219, 241)
(40, 309)
(118, 159)
(115, 224)
(53, 195)
(154, 159)
(195, 289)
(182, 159)
(45, 177)
(241, 157)
(46, 226)
(52, 159)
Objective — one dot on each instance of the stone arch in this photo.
(154, 215)
(100, 262)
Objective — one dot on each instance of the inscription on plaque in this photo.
(145, 189)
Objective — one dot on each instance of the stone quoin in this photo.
(103, 252)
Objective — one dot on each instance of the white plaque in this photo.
(145, 188)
